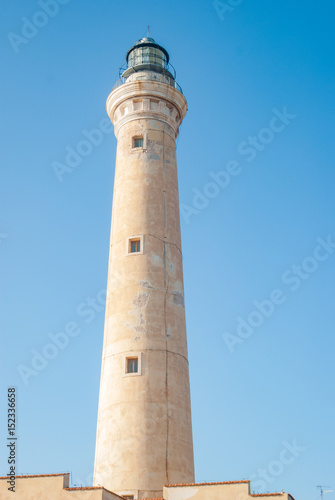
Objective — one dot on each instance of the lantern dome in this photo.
(146, 54)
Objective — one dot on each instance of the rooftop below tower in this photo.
(56, 487)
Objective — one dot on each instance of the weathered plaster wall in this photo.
(144, 434)
(51, 487)
(233, 490)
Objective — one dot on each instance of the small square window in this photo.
(135, 246)
(137, 142)
(132, 365)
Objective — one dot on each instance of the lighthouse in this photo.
(144, 447)
(144, 429)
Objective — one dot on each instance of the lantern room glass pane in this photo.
(147, 55)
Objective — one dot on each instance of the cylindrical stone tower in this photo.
(144, 431)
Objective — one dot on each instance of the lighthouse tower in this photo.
(144, 430)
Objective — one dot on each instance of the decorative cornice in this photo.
(144, 91)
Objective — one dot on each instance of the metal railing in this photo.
(149, 60)
(122, 80)
(118, 83)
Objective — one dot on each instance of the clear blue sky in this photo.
(259, 80)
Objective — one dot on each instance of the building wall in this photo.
(50, 487)
(218, 491)
(56, 487)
